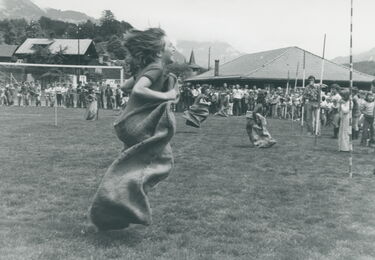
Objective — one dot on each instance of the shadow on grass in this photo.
(186, 132)
(243, 146)
(103, 239)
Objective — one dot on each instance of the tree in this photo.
(88, 30)
(107, 15)
(109, 26)
(34, 30)
(125, 26)
(2, 40)
(72, 31)
(9, 32)
(116, 47)
(54, 27)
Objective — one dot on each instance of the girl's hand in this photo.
(171, 94)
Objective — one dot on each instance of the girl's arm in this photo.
(128, 85)
(141, 88)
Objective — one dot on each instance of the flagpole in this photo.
(209, 58)
(350, 95)
(295, 87)
(303, 86)
(286, 95)
(317, 119)
(55, 107)
(97, 108)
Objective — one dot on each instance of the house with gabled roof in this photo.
(276, 67)
(75, 51)
(7, 52)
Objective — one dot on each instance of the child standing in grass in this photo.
(344, 129)
(367, 109)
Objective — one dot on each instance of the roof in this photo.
(56, 45)
(195, 66)
(7, 50)
(275, 65)
(192, 58)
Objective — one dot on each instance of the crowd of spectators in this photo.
(61, 95)
(280, 103)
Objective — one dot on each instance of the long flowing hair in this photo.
(143, 48)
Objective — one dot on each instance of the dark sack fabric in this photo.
(196, 115)
(147, 158)
(91, 110)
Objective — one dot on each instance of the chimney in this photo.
(216, 73)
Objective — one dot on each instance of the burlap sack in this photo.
(147, 159)
(91, 110)
(197, 114)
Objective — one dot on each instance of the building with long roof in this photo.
(275, 68)
(76, 51)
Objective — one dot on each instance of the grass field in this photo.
(224, 200)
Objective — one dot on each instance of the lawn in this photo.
(224, 200)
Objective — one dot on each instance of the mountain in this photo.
(68, 16)
(367, 67)
(11, 9)
(219, 50)
(363, 62)
(364, 56)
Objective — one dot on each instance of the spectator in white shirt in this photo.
(237, 96)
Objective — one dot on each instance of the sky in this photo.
(248, 25)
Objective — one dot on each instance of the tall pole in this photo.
(295, 82)
(295, 87)
(303, 86)
(55, 105)
(287, 85)
(350, 95)
(79, 58)
(286, 95)
(209, 58)
(317, 119)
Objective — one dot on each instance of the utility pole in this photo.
(79, 58)
(209, 57)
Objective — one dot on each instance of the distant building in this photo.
(275, 67)
(196, 69)
(75, 51)
(7, 53)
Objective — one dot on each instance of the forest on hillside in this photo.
(107, 34)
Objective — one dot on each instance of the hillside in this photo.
(361, 57)
(219, 50)
(13, 9)
(367, 67)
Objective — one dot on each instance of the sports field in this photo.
(224, 200)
